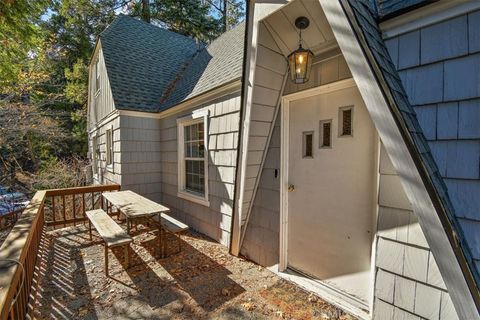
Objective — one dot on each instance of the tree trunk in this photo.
(145, 10)
(224, 13)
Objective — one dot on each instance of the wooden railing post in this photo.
(74, 210)
(53, 208)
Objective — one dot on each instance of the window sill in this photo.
(110, 168)
(191, 197)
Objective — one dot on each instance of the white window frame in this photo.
(193, 118)
(109, 154)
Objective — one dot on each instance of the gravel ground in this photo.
(201, 282)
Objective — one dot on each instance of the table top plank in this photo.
(109, 230)
(134, 205)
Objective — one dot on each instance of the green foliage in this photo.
(235, 13)
(76, 89)
(19, 36)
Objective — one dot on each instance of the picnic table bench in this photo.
(111, 233)
(138, 208)
(172, 226)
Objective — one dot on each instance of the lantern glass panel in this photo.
(300, 65)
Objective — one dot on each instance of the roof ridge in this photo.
(150, 25)
(181, 71)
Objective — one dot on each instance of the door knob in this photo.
(291, 188)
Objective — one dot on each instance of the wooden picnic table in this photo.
(134, 206)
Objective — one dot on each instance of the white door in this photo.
(331, 170)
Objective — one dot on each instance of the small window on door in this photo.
(307, 142)
(345, 122)
(325, 140)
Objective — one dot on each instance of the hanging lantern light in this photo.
(300, 60)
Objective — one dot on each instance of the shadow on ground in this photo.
(203, 281)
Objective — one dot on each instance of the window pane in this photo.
(195, 179)
(195, 153)
(347, 122)
(201, 151)
(307, 145)
(187, 133)
(200, 131)
(194, 129)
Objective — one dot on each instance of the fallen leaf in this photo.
(248, 306)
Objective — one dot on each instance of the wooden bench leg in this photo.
(164, 244)
(90, 229)
(106, 260)
(179, 241)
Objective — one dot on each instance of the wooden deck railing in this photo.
(18, 253)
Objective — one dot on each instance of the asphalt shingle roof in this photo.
(387, 8)
(365, 17)
(151, 69)
(219, 63)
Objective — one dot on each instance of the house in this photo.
(360, 184)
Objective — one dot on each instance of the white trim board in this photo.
(426, 16)
(402, 160)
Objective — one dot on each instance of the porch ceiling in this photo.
(317, 37)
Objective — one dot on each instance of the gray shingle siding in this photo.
(407, 276)
(140, 156)
(447, 80)
(215, 220)
(261, 241)
(113, 174)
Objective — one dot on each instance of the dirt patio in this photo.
(201, 282)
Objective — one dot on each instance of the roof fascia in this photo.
(235, 226)
(399, 147)
(226, 89)
(426, 16)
